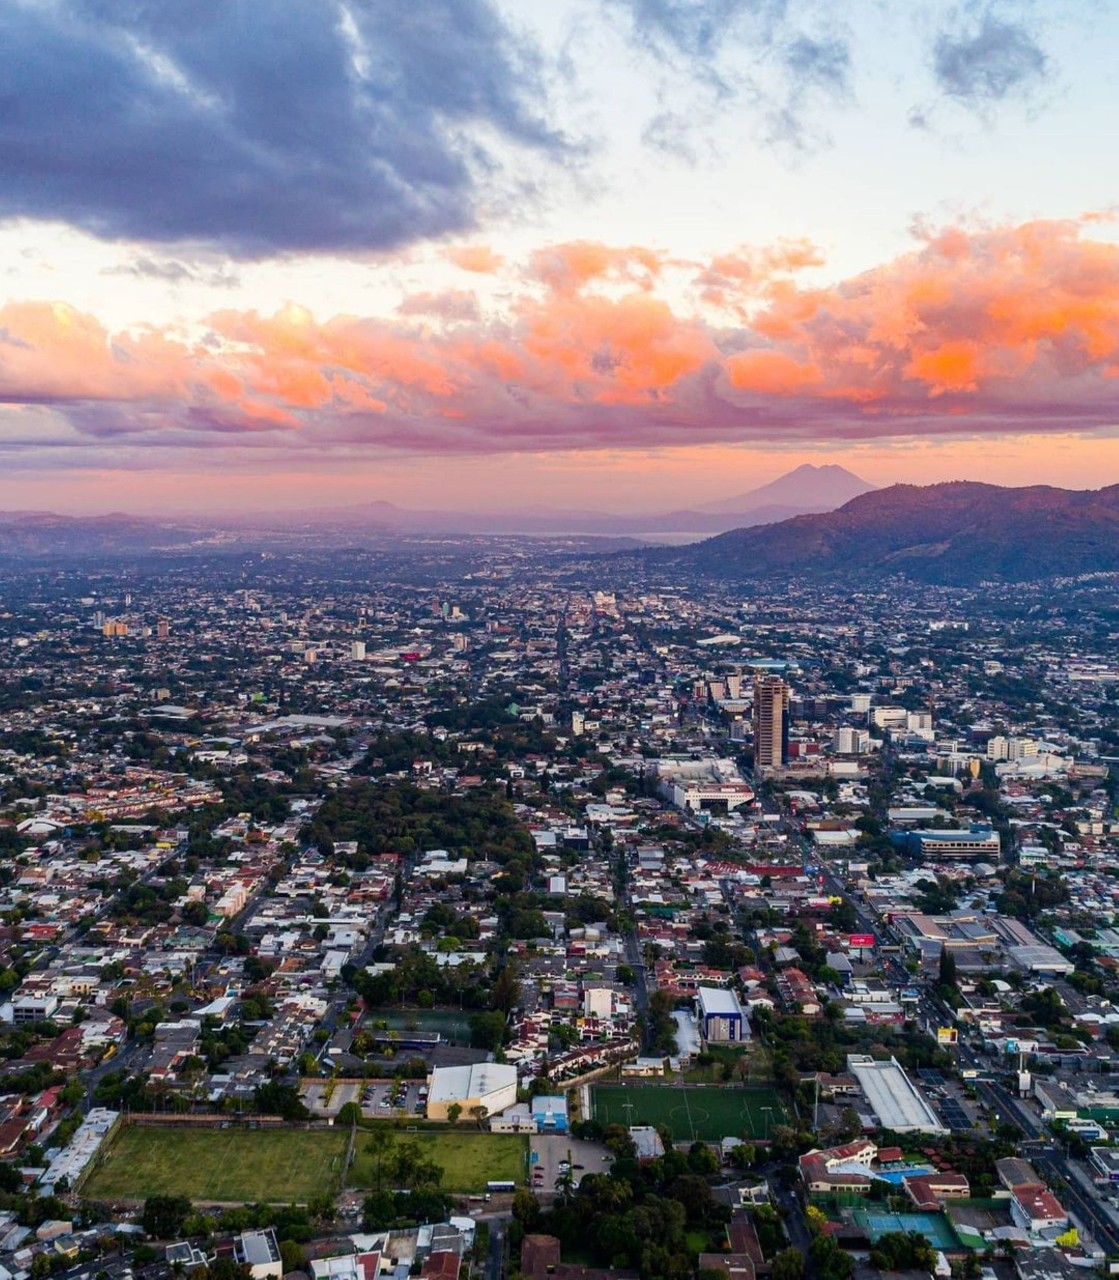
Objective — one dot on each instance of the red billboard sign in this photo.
(862, 940)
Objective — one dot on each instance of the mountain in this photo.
(33, 533)
(808, 488)
(805, 489)
(954, 533)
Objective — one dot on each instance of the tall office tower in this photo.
(357, 650)
(162, 629)
(771, 723)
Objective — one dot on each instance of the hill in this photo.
(953, 533)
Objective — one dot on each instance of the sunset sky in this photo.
(587, 253)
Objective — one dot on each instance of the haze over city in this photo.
(626, 255)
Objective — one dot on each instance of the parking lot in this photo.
(378, 1099)
(548, 1150)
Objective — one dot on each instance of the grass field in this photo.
(694, 1114)
(468, 1160)
(220, 1164)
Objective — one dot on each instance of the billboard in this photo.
(861, 940)
(947, 1035)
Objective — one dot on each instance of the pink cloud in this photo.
(997, 330)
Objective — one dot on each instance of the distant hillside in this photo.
(947, 533)
(34, 533)
(805, 489)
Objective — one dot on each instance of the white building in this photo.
(895, 1102)
(492, 1085)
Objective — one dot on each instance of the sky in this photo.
(612, 254)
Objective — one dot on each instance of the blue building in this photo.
(978, 841)
(550, 1114)
(721, 1018)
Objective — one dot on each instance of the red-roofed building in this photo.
(1037, 1210)
(442, 1265)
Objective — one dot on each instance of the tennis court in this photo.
(694, 1113)
(933, 1226)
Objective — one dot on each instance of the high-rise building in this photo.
(162, 629)
(357, 650)
(771, 723)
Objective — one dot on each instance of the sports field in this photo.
(220, 1164)
(695, 1114)
(468, 1160)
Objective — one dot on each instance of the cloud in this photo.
(982, 63)
(262, 126)
(477, 258)
(449, 305)
(699, 29)
(995, 331)
(173, 271)
(779, 58)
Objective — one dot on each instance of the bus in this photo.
(501, 1186)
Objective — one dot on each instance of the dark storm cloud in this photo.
(982, 64)
(260, 126)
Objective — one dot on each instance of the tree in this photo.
(788, 1265)
(292, 1256)
(506, 988)
(526, 1208)
(163, 1216)
(454, 1112)
(228, 1269)
(946, 976)
(276, 1099)
(478, 1114)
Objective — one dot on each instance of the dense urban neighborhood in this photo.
(498, 907)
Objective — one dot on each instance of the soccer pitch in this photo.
(694, 1113)
(236, 1165)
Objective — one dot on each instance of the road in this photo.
(1093, 1216)
(795, 1226)
(495, 1263)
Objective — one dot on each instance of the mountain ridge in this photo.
(956, 532)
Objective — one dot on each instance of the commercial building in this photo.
(492, 1085)
(892, 1097)
(978, 841)
(721, 1017)
(771, 723)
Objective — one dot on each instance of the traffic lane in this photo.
(1080, 1206)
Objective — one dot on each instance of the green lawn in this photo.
(469, 1160)
(220, 1164)
(693, 1113)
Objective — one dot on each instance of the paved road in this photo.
(495, 1264)
(1091, 1215)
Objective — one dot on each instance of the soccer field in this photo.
(243, 1165)
(694, 1113)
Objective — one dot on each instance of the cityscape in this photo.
(559, 640)
(359, 917)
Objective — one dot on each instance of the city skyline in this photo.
(616, 255)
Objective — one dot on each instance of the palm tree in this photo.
(565, 1186)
